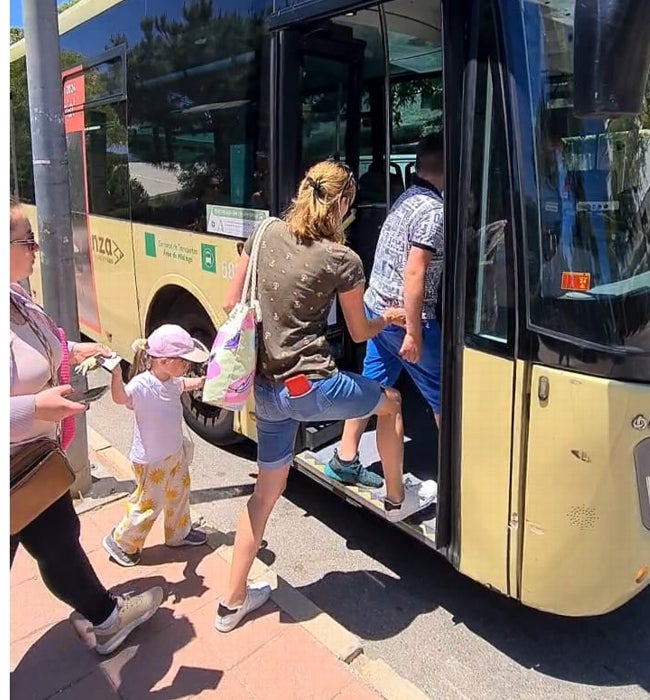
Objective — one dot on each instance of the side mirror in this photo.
(611, 56)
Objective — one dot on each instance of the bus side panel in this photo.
(485, 467)
(202, 265)
(244, 422)
(107, 284)
(584, 541)
(519, 450)
(114, 286)
(199, 264)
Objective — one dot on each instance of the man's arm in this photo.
(416, 266)
(426, 238)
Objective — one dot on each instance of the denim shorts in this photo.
(339, 397)
(384, 364)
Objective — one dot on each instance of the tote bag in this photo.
(231, 366)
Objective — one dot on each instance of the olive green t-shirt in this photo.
(297, 283)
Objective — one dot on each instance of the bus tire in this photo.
(213, 424)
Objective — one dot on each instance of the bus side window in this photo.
(489, 315)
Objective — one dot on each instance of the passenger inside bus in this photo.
(407, 270)
(372, 184)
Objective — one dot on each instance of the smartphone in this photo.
(88, 396)
(297, 385)
(109, 363)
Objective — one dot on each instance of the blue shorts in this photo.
(277, 415)
(383, 363)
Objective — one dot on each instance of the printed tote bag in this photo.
(231, 365)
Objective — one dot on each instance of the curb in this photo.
(340, 642)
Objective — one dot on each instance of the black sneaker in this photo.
(353, 474)
(194, 538)
(117, 554)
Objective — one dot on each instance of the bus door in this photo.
(367, 84)
(323, 62)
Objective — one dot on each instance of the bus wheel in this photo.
(209, 422)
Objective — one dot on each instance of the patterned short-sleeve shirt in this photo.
(298, 282)
(416, 219)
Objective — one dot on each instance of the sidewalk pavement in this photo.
(178, 653)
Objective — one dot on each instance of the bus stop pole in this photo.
(52, 194)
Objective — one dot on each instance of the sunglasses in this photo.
(348, 170)
(29, 242)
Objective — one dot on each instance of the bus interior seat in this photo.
(372, 184)
(410, 171)
(396, 178)
(363, 233)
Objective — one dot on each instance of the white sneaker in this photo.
(418, 495)
(256, 595)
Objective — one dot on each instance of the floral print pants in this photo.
(161, 487)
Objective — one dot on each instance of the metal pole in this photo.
(14, 171)
(12, 147)
(52, 193)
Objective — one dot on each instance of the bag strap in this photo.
(249, 290)
(40, 336)
(20, 305)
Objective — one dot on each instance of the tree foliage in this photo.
(15, 34)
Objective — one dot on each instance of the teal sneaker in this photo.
(352, 474)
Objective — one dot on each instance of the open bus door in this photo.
(321, 66)
(336, 70)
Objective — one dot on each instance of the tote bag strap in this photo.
(20, 305)
(249, 290)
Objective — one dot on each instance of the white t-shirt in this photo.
(158, 430)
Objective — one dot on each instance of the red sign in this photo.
(74, 96)
(576, 281)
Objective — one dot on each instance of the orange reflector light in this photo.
(641, 574)
(575, 281)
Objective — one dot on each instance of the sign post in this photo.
(52, 194)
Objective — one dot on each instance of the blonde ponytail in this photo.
(315, 212)
(140, 359)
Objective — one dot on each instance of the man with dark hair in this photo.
(406, 272)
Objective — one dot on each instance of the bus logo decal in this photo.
(208, 258)
(106, 250)
(640, 422)
(150, 244)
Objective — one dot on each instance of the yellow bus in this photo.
(188, 121)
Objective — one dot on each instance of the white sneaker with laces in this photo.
(132, 611)
(256, 595)
(418, 495)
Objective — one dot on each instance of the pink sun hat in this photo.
(171, 340)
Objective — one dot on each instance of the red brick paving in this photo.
(176, 655)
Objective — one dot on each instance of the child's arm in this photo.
(193, 383)
(118, 391)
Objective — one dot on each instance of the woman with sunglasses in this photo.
(303, 266)
(38, 404)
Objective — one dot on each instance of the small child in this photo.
(159, 452)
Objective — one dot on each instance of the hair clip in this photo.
(316, 185)
(139, 344)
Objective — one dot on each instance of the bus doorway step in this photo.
(319, 434)
(422, 525)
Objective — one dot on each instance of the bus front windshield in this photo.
(589, 264)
